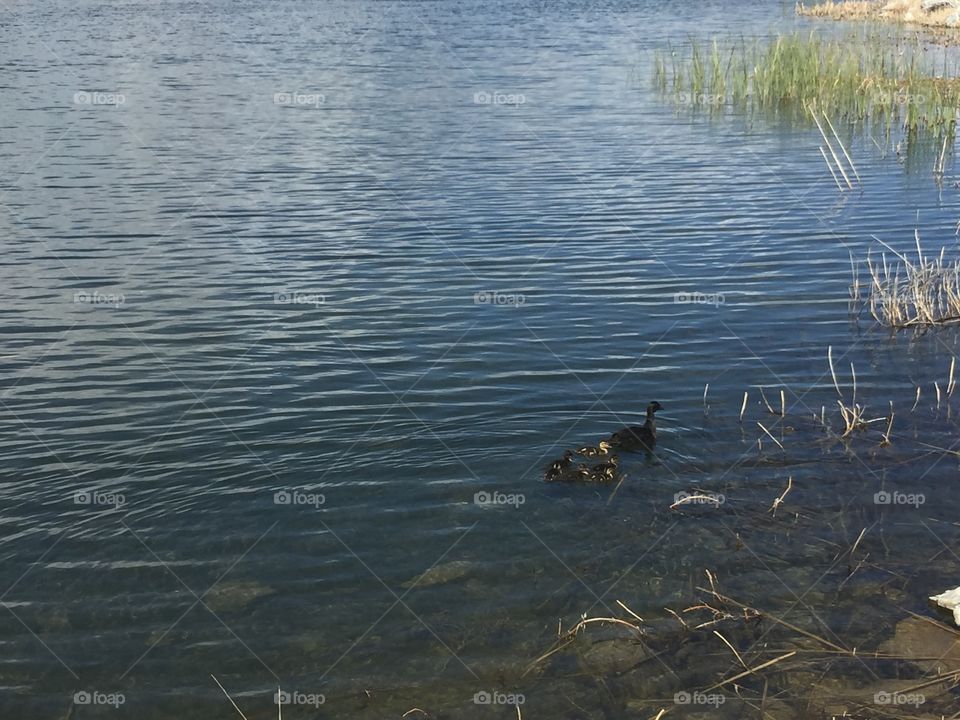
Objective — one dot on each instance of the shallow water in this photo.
(391, 294)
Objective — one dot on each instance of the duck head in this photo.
(653, 407)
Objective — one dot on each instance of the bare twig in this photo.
(779, 500)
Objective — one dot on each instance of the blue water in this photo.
(289, 247)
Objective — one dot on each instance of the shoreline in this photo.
(909, 12)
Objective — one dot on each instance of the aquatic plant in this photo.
(911, 293)
(857, 79)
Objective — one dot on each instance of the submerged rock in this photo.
(613, 656)
(950, 600)
(235, 595)
(442, 573)
(848, 697)
(917, 641)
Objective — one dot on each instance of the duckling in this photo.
(602, 448)
(638, 437)
(581, 473)
(558, 468)
(606, 472)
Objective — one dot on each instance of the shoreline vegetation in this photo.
(940, 15)
(853, 79)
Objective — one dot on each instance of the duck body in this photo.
(559, 468)
(605, 472)
(602, 448)
(638, 437)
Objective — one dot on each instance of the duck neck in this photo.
(650, 424)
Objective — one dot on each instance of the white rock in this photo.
(931, 5)
(951, 601)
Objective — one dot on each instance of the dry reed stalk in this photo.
(830, 168)
(617, 488)
(771, 436)
(855, 285)
(230, 698)
(769, 406)
(762, 613)
(914, 294)
(732, 648)
(938, 165)
(852, 414)
(944, 450)
(631, 612)
(777, 502)
(833, 153)
(844, 10)
(886, 435)
(751, 671)
(682, 621)
(845, 153)
(572, 633)
(743, 407)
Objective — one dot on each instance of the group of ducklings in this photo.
(564, 470)
(632, 438)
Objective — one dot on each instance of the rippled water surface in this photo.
(287, 284)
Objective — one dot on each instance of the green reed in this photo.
(859, 79)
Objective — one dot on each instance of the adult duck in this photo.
(638, 437)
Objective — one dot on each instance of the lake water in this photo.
(287, 284)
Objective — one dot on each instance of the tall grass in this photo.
(857, 79)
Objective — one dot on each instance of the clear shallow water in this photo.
(389, 204)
